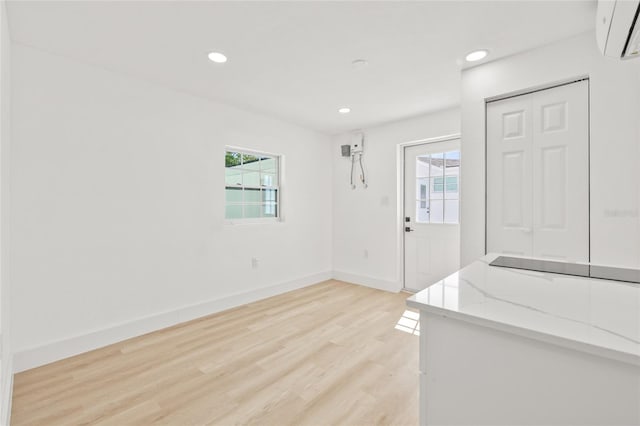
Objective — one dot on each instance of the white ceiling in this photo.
(292, 60)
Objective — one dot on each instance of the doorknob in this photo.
(407, 229)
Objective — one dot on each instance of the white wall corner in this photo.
(25, 359)
(391, 286)
(6, 393)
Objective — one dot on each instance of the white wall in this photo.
(367, 219)
(615, 141)
(6, 373)
(117, 205)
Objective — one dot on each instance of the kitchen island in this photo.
(509, 346)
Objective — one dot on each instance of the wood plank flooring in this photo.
(325, 354)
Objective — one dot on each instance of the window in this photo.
(452, 184)
(251, 185)
(437, 198)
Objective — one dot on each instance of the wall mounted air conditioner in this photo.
(618, 28)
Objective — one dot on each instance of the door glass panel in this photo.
(437, 188)
(451, 188)
(451, 184)
(437, 165)
(451, 211)
(422, 211)
(422, 166)
(436, 211)
(422, 188)
(437, 179)
(452, 162)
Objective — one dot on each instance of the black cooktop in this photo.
(575, 269)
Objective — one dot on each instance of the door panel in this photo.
(509, 150)
(553, 200)
(431, 192)
(538, 174)
(513, 189)
(561, 159)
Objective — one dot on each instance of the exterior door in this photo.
(431, 212)
(538, 174)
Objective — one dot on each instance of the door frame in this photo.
(400, 199)
(527, 91)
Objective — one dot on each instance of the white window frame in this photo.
(278, 187)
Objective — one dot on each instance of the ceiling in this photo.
(292, 60)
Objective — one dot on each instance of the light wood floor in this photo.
(326, 354)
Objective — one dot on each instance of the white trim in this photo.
(28, 358)
(253, 221)
(537, 88)
(400, 191)
(366, 281)
(400, 213)
(241, 150)
(7, 393)
(444, 138)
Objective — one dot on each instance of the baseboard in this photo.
(7, 393)
(54, 351)
(366, 281)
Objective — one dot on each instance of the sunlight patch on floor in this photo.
(409, 322)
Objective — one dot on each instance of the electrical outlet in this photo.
(366, 253)
(254, 262)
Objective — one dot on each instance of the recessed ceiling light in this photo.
(344, 110)
(359, 63)
(476, 55)
(217, 57)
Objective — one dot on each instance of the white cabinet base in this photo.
(471, 374)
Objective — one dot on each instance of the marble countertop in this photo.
(597, 316)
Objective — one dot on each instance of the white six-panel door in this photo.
(538, 174)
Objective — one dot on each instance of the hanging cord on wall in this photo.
(353, 162)
(362, 176)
